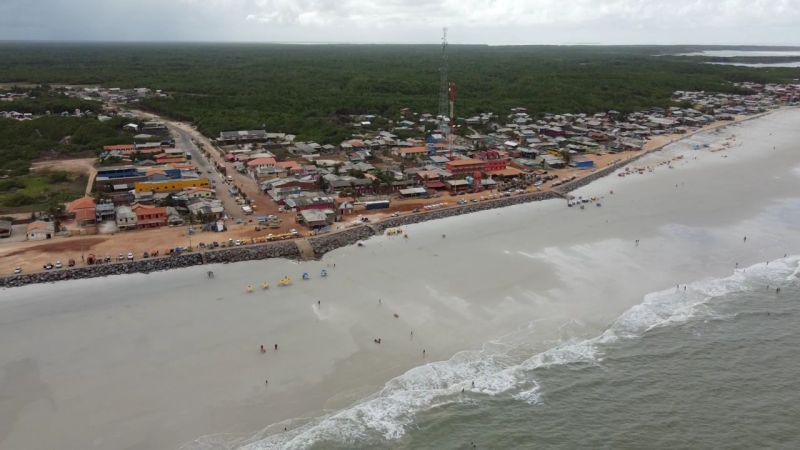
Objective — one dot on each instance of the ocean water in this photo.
(710, 364)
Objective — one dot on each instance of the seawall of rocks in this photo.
(103, 270)
(325, 243)
(283, 249)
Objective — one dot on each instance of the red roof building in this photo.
(150, 216)
(84, 210)
(493, 160)
(462, 167)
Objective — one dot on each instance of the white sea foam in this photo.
(387, 413)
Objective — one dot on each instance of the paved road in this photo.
(183, 141)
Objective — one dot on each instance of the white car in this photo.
(17, 270)
(130, 256)
(59, 265)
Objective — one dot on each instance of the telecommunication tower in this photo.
(443, 86)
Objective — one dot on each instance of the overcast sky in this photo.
(407, 21)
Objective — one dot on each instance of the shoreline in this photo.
(320, 245)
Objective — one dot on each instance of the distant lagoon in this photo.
(737, 53)
(783, 64)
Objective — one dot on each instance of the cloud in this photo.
(471, 21)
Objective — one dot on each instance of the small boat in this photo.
(265, 285)
(306, 276)
(249, 288)
(323, 273)
(285, 281)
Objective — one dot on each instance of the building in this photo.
(40, 230)
(117, 179)
(241, 136)
(317, 218)
(5, 228)
(259, 163)
(412, 152)
(171, 185)
(308, 202)
(84, 211)
(493, 161)
(581, 162)
(463, 167)
(198, 193)
(104, 211)
(149, 216)
(125, 218)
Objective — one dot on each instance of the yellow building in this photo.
(171, 185)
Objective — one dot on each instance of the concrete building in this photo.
(150, 216)
(40, 230)
(126, 218)
(84, 211)
(463, 167)
(104, 211)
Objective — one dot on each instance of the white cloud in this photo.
(471, 21)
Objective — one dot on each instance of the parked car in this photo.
(17, 270)
(71, 262)
(145, 255)
(130, 256)
(48, 266)
(59, 265)
(121, 257)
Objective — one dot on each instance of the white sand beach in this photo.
(172, 360)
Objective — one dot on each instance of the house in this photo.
(84, 211)
(149, 216)
(5, 228)
(173, 217)
(208, 208)
(104, 211)
(291, 167)
(412, 152)
(40, 230)
(198, 193)
(126, 218)
(257, 163)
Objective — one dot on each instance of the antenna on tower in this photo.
(444, 100)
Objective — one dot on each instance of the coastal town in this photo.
(169, 190)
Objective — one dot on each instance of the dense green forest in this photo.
(308, 89)
(24, 141)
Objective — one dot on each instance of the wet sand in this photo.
(159, 360)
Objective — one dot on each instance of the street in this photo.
(183, 141)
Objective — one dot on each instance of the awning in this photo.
(435, 185)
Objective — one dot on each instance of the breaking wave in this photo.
(492, 371)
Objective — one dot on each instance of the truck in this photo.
(247, 210)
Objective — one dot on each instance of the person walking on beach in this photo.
(745, 239)
(276, 346)
(263, 350)
(637, 242)
(423, 352)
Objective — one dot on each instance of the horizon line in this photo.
(377, 43)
